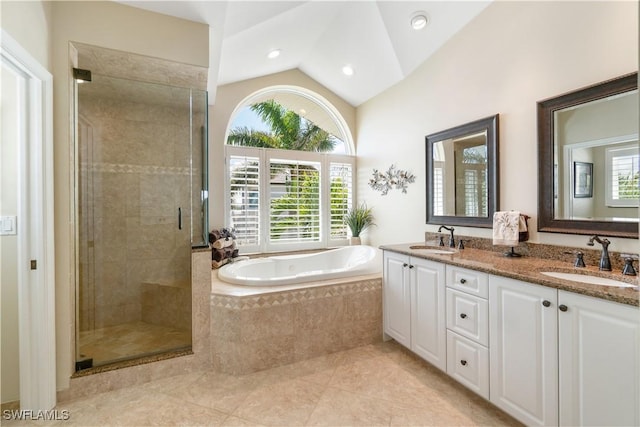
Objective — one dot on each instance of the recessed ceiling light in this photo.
(274, 53)
(348, 70)
(419, 20)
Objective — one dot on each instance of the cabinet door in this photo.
(523, 350)
(428, 328)
(599, 362)
(397, 298)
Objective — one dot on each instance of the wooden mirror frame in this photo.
(491, 126)
(546, 109)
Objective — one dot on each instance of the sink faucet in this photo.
(605, 263)
(452, 242)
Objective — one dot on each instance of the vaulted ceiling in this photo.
(374, 38)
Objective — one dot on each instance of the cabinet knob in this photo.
(546, 303)
(411, 265)
(463, 362)
(563, 307)
(405, 264)
(462, 315)
(463, 281)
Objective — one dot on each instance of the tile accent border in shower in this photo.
(141, 169)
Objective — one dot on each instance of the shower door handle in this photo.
(179, 218)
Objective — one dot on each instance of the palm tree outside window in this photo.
(286, 188)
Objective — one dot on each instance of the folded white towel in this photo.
(507, 226)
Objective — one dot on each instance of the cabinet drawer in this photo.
(468, 363)
(469, 281)
(468, 316)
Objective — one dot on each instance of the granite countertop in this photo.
(529, 269)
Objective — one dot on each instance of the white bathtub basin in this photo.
(348, 261)
(585, 278)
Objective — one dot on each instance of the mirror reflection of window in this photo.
(460, 176)
(604, 133)
(462, 187)
(622, 176)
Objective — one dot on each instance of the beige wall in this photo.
(228, 97)
(115, 26)
(28, 23)
(511, 56)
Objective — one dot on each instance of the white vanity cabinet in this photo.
(414, 305)
(563, 358)
(524, 350)
(546, 356)
(599, 351)
(468, 328)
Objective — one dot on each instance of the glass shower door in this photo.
(136, 192)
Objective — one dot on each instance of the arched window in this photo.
(290, 171)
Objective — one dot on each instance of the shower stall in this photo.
(141, 205)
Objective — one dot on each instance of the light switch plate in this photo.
(8, 225)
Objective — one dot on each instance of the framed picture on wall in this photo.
(582, 180)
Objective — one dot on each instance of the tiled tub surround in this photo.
(256, 328)
(139, 371)
(529, 268)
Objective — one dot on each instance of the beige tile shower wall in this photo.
(249, 334)
(134, 176)
(167, 305)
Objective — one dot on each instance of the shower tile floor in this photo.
(130, 339)
(375, 385)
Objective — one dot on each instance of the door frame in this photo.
(36, 287)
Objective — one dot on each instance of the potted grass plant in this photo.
(358, 219)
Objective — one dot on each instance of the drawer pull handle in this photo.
(563, 307)
(463, 362)
(463, 281)
(462, 315)
(546, 303)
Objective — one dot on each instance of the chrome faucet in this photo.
(452, 242)
(605, 262)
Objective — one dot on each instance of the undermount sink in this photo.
(584, 278)
(433, 250)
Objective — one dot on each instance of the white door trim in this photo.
(36, 295)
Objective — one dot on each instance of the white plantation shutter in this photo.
(438, 188)
(340, 198)
(622, 172)
(282, 200)
(294, 201)
(244, 203)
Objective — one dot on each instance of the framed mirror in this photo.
(462, 174)
(588, 160)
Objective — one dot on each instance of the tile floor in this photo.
(124, 341)
(375, 385)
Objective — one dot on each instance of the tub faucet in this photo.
(452, 242)
(605, 262)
